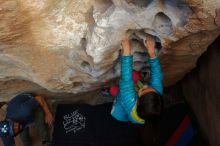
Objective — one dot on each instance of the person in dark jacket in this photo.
(22, 110)
(134, 101)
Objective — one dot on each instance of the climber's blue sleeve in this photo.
(125, 103)
(156, 74)
(118, 111)
(126, 85)
(128, 94)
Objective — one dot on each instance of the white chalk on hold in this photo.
(141, 35)
(144, 40)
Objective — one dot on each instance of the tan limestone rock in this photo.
(73, 46)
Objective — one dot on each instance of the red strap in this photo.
(114, 90)
(136, 75)
(176, 136)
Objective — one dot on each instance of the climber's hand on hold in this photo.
(149, 43)
(126, 46)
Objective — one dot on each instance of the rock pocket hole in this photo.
(83, 43)
(77, 85)
(178, 10)
(145, 72)
(162, 24)
(140, 3)
(85, 66)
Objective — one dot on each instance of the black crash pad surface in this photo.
(85, 125)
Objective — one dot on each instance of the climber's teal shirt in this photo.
(125, 103)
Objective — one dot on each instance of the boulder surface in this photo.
(73, 46)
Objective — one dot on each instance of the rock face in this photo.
(201, 89)
(73, 46)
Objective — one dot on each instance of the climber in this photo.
(22, 110)
(146, 103)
